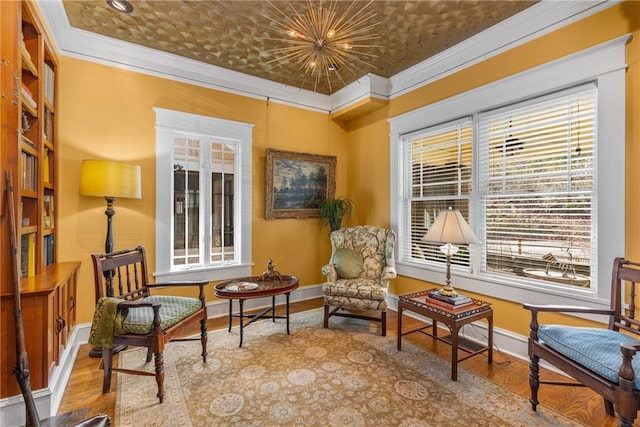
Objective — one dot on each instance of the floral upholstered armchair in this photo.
(358, 274)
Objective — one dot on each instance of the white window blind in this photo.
(438, 168)
(537, 163)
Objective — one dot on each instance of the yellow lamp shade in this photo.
(103, 178)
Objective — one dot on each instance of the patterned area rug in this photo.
(343, 376)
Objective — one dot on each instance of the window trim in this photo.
(604, 65)
(168, 124)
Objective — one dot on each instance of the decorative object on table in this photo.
(296, 183)
(450, 228)
(271, 273)
(142, 318)
(111, 180)
(334, 210)
(323, 43)
(603, 359)
(566, 275)
(435, 297)
(362, 265)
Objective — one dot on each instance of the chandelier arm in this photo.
(351, 27)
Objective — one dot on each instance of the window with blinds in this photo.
(536, 180)
(438, 168)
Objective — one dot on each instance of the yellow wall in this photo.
(369, 140)
(107, 113)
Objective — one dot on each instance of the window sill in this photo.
(517, 289)
(212, 274)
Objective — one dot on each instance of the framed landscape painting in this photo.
(296, 183)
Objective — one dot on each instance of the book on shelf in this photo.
(443, 304)
(28, 96)
(48, 211)
(49, 83)
(29, 178)
(48, 124)
(28, 254)
(48, 249)
(45, 166)
(453, 300)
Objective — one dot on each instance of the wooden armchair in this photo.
(141, 319)
(598, 358)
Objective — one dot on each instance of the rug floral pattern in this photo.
(343, 376)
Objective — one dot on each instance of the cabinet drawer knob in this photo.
(61, 324)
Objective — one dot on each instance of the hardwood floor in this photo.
(84, 389)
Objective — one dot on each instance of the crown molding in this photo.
(536, 21)
(532, 23)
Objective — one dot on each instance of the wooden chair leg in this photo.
(107, 356)
(608, 408)
(159, 365)
(384, 323)
(326, 316)
(203, 338)
(534, 381)
(149, 354)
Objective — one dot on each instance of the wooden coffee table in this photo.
(245, 288)
(455, 319)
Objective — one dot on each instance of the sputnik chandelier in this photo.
(323, 43)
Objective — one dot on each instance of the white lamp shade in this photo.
(103, 178)
(450, 227)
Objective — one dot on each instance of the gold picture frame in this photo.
(295, 183)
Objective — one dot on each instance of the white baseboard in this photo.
(12, 409)
(48, 400)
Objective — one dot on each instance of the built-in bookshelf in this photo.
(29, 151)
(37, 129)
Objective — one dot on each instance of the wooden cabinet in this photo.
(49, 316)
(29, 149)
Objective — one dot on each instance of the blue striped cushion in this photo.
(172, 310)
(596, 349)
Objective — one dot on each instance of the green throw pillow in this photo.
(348, 263)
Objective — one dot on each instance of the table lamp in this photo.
(111, 180)
(450, 228)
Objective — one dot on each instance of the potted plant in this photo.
(333, 211)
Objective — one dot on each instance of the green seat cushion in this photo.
(348, 263)
(172, 310)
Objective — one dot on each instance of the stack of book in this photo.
(435, 297)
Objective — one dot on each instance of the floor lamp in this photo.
(450, 228)
(111, 180)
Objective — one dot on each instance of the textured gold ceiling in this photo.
(233, 34)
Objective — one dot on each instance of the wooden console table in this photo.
(454, 319)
